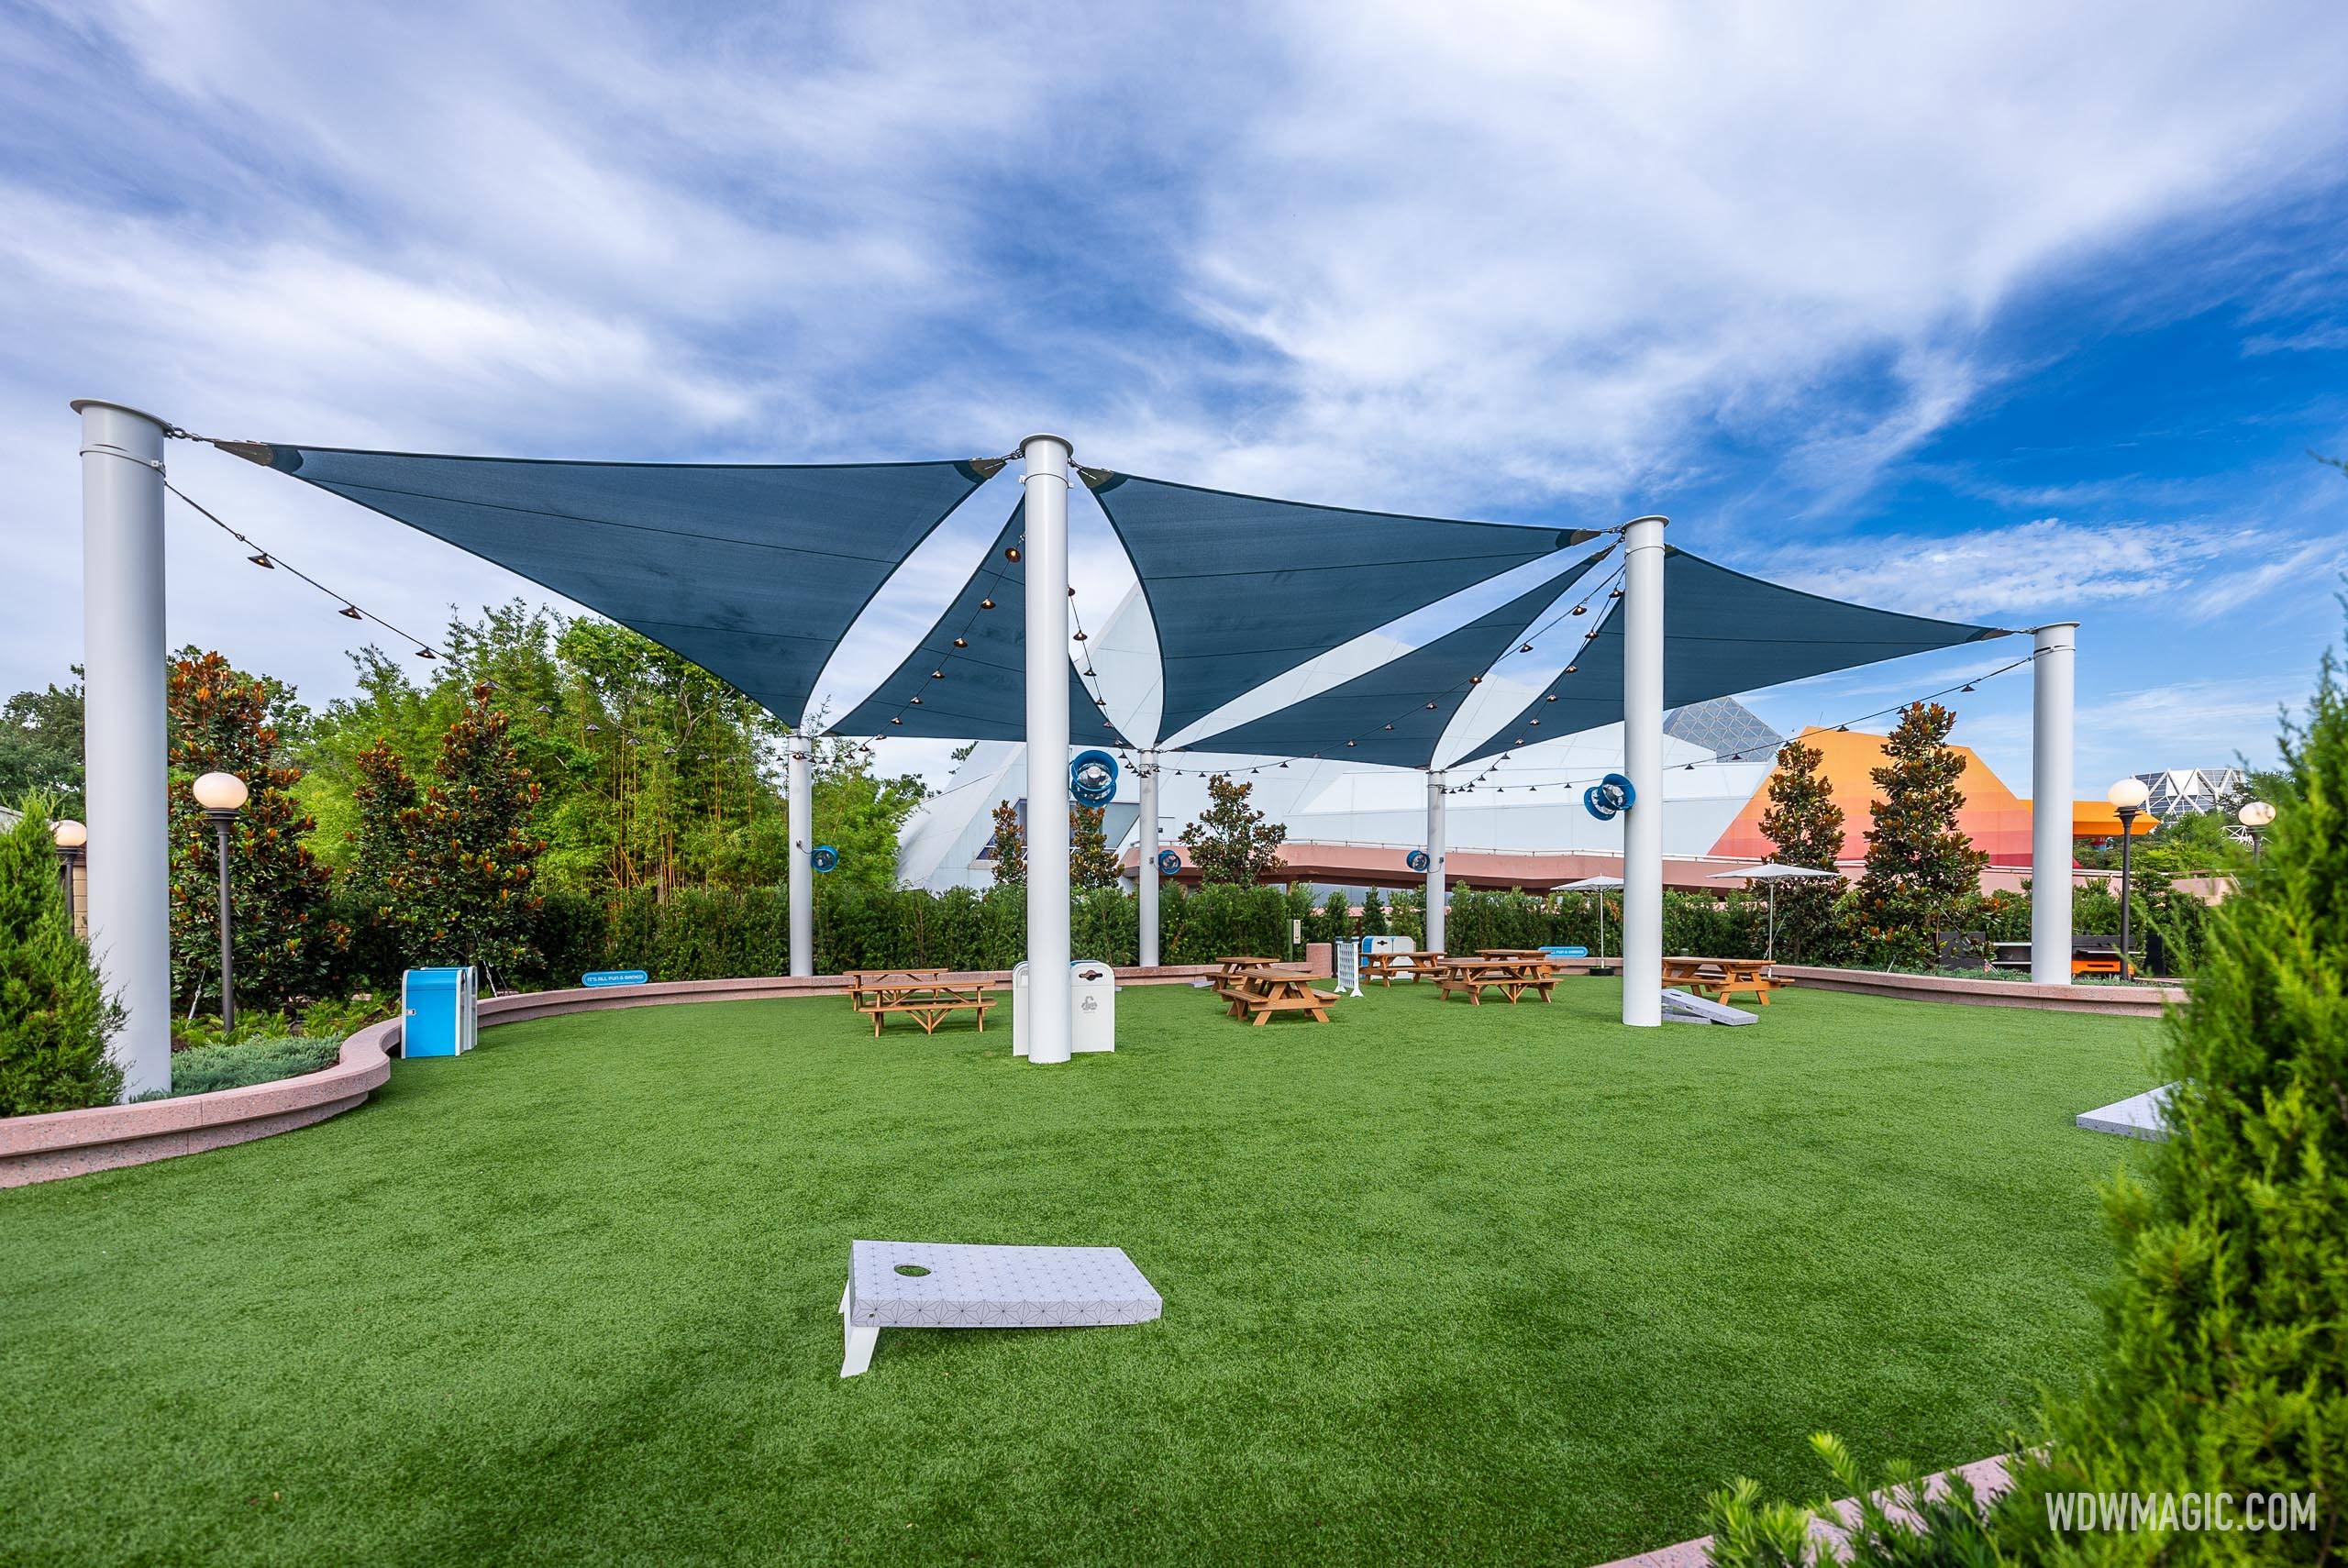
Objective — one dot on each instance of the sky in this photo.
(2004, 312)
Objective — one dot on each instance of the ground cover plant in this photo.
(1443, 1284)
(201, 1069)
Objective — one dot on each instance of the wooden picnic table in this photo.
(1264, 990)
(1384, 966)
(918, 994)
(1722, 977)
(1512, 976)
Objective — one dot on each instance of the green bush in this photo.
(55, 1018)
(203, 1068)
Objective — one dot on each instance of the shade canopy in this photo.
(1243, 589)
(1397, 712)
(977, 691)
(753, 572)
(1724, 632)
(1774, 871)
(1589, 885)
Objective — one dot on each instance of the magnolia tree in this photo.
(1806, 825)
(446, 867)
(1231, 842)
(1921, 869)
(1010, 846)
(226, 722)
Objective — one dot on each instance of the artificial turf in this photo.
(1442, 1285)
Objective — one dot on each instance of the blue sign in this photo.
(602, 978)
(1609, 798)
(1418, 860)
(1092, 778)
(1169, 863)
(824, 857)
(1567, 951)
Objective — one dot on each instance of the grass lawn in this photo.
(1442, 1285)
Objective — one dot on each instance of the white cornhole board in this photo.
(2141, 1116)
(1679, 1007)
(986, 1288)
(1348, 965)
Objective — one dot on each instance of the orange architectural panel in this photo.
(1993, 816)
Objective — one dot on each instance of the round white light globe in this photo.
(2129, 794)
(219, 792)
(2255, 814)
(69, 834)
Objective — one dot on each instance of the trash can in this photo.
(437, 1013)
(1091, 1006)
(1019, 1009)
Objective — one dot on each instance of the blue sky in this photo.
(2009, 313)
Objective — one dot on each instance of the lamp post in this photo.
(2129, 795)
(222, 796)
(2254, 815)
(70, 836)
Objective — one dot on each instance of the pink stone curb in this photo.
(64, 1143)
(1988, 1477)
(2125, 1001)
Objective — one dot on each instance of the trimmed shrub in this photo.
(55, 1019)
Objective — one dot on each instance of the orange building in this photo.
(1993, 816)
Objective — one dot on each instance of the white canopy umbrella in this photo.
(1773, 873)
(1593, 885)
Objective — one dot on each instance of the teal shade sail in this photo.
(978, 690)
(753, 572)
(1724, 632)
(1396, 714)
(1243, 589)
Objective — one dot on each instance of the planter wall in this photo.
(2126, 1001)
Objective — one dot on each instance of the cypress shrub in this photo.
(55, 1019)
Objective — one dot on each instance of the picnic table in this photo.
(1511, 975)
(921, 995)
(1384, 966)
(1256, 988)
(1721, 978)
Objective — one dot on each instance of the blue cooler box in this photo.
(437, 1012)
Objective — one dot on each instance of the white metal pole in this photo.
(1046, 555)
(1146, 884)
(124, 729)
(1438, 895)
(1642, 555)
(801, 807)
(2050, 803)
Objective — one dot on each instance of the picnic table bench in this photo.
(918, 994)
(1511, 975)
(1256, 988)
(1721, 978)
(1384, 966)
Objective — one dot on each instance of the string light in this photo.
(269, 561)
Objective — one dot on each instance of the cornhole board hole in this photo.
(945, 1285)
(1679, 1007)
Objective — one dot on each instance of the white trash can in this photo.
(1019, 1009)
(1091, 1006)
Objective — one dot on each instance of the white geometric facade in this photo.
(1333, 803)
(2189, 792)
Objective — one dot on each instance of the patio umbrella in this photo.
(1773, 873)
(1593, 885)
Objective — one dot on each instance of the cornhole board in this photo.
(1679, 1007)
(946, 1285)
(2141, 1116)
